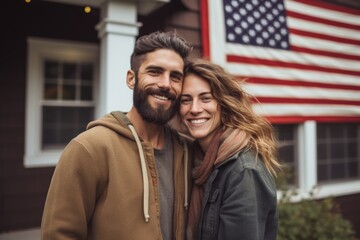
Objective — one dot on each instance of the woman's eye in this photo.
(207, 99)
(185, 101)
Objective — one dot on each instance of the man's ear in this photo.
(130, 79)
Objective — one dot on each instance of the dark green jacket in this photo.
(239, 201)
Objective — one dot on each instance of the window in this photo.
(338, 157)
(286, 135)
(61, 97)
(321, 155)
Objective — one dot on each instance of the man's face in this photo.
(158, 86)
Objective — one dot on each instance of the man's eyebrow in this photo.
(178, 73)
(154, 67)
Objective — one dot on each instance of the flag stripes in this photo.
(300, 58)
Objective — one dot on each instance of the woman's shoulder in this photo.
(244, 160)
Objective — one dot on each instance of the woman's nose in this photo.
(196, 107)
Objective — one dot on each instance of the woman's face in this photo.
(199, 110)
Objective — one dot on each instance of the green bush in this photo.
(311, 219)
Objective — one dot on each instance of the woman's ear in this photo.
(130, 79)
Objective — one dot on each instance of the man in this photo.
(125, 177)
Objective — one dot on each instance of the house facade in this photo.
(63, 64)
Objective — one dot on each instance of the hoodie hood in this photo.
(112, 121)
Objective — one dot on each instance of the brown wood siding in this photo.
(23, 190)
(350, 209)
(179, 17)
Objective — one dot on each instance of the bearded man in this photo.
(125, 177)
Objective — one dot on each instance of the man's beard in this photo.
(158, 115)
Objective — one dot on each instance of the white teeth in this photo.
(197, 121)
(161, 97)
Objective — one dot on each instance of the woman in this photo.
(234, 194)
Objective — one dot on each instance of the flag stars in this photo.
(236, 16)
(235, 3)
(258, 27)
(249, 7)
(246, 38)
(230, 22)
(259, 40)
(250, 19)
(231, 36)
(228, 8)
(254, 22)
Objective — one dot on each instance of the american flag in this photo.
(301, 57)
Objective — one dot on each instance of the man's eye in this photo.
(176, 78)
(154, 72)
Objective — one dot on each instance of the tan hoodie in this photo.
(102, 190)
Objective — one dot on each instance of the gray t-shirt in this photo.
(164, 165)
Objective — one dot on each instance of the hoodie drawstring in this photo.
(144, 174)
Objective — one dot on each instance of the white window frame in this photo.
(38, 50)
(307, 156)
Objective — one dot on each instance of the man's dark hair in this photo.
(158, 40)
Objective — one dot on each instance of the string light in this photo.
(87, 9)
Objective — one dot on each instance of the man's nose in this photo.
(164, 82)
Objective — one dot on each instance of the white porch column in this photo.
(307, 157)
(117, 31)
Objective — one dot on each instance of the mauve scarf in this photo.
(224, 144)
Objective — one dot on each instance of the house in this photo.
(63, 63)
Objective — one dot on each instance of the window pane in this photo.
(86, 93)
(61, 124)
(338, 171)
(51, 91)
(286, 154)
(353, 169)
(86, 72)
(338, 156)
(322, 172)
(69, 70)
(352, 131)
(321, 132)
(69, 92)
(322, 152)
(337, 151)
(352, 150)
(51, 69)
(287, 143)
(337, 131)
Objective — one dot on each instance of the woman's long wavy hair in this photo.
(237, 111)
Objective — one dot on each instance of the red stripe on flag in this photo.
(273, 63)
(298, 83)
(301, 119)
(288, 100)
(325, 53)
(324, 37)
(329, 6)
(322, 20)
(205, 28)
